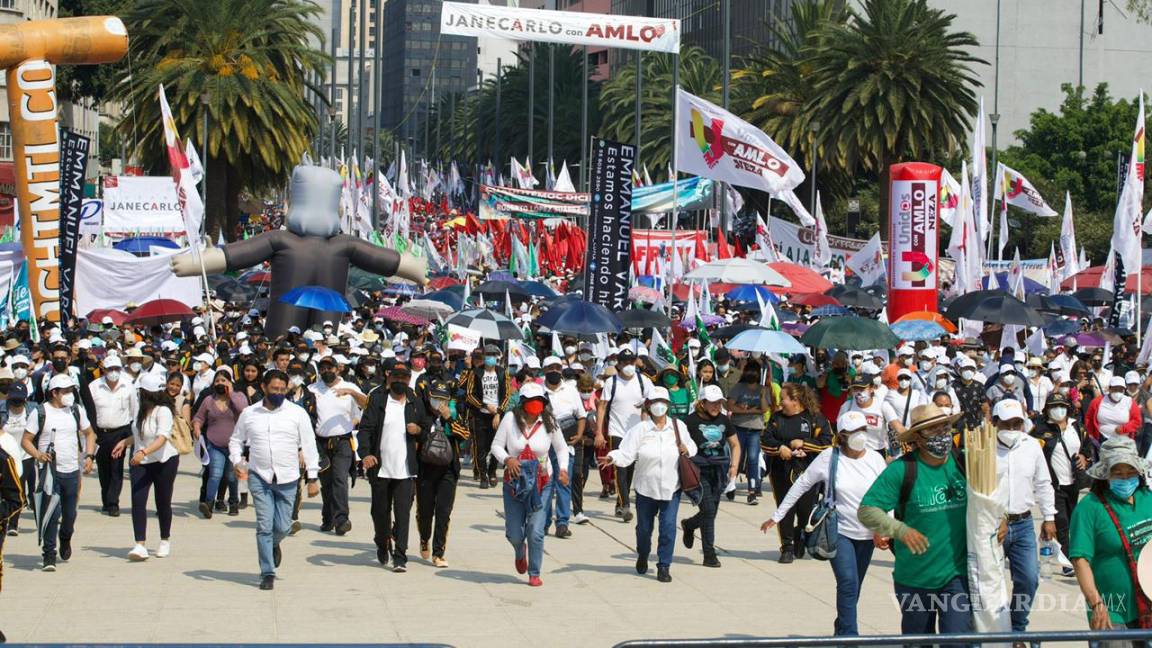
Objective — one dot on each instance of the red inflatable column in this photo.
(913, 238)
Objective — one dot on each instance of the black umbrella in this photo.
(642, 318)
(730, 331)
(1001, 309)
(499, 288)
(1059, 304)
(236, 292)
(966, 301)
(1094, 296)
(858, 297)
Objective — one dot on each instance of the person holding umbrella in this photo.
(60, 438)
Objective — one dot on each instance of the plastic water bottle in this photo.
(1048, 566)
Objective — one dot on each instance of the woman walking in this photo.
(655, 446)
(856, 468)
(521, 444)
(439, 472)
(718, 457)
(153, 465)
(215, 419)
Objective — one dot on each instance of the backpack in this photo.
(40, 420)
(436, 450)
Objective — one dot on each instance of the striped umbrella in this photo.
(492, 326)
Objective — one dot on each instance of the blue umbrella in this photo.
(580, 317)
(748, 293)
(500, 275)
(401, 289)
(915, 330)
(765, 341)
(317, 298)
(538, 289)
(830, 311)
(1062, 327)
(142, 244)
(449, 297)
(1030, 286)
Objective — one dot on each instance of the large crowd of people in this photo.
(274, 419)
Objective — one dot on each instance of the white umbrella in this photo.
(428, 308)
(739, 271)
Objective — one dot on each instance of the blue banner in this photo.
(692, 193)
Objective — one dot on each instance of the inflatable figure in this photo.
(311, 252)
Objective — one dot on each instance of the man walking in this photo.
(338, 404)
(273, 434)
(115, 404)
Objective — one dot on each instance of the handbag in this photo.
(689, 471)
(822, 532)
(436, 450)
(181, 435)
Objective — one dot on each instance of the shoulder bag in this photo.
(823, 529)
(689, 471)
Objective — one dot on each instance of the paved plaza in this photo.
(330, 589)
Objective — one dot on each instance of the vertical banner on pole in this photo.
(73, 162)
(913, 238)
(610, 224)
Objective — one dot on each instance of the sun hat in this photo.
(926, 416)
(1114, 451)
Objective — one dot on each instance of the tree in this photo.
(74, 82)
(892, 83)
(251, 60)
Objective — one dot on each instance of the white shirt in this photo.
(59, 432)
(877, 432)
(275, 439)
(335, 415)
(510, 441)
(202, 381)
(1041, 389)
(490, 388)
(625, 407)
(14, 429)
(1112, 415)
(1023, 478)
(393, 442)
(853, 479)
(1059, 461)
(115, 406)
(158, 424)
(566, 403)
(897, 406)
(653, 450)
(9, 445)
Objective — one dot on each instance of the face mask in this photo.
(1123, 488)
(327, 329)
(197, 367)
(534, 407)
(113, 376)
(967, 375)
(20, 374)
(275, 400)
(925, 365)
(59, 364)
(1008, 380)
(68, 400)
(904, 384)
(296, 380)
(856, 362)
(1009, 437)
(437, 403)
(628, 370)
(862, 398)
(671, 380)
(220, 388)
(857, 441)
(947, 410)
(397, 388)
(302, 357)
(723, 368)
(419, 363)
(658, 409)
(585, 356)
(490, 361)
(569, 350)
(585, 395)
(876, 382)
(1035, 373)
(553, 378)
(1057, 414)
(328, 377)
(1116, 396)
(610, 363)
(907, 362)
(135, 367)
(941, 383)
(938, 446)
(370, 370)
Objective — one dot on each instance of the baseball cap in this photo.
(151, 382)
(851, 421)
(531, 390)
(1132, 378)
(17, 392)
(113, 362)
(1116, 381)
(550, 361)
(61, 381)
(1007, 410)
(712, 393)
(659, 393)
(625, 355)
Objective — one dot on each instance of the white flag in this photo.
(197, 168)
(1068, 241)
(821, 252)
(949, 197)
(979, 170)
(191, 207)
(868, 262)
(1053, 271)
(1014, 189)
(402, 182)
(1126, 226)
(965, 246)
(1016, 277)
(714, 143)
(793, 201)
(564, 180)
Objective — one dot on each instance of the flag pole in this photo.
(675, 174)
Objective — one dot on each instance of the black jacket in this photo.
(368, 433)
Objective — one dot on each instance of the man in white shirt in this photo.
(1039, 385)
(65, 439)
(135, 366)
(276, 434)
(620, 409)
(1023, 482)
(338, 407)
(116, 405)
(568, 409)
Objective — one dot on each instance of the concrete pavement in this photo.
(330, 589)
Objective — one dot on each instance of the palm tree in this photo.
(893, 83)
(699, 75)
(251, 61)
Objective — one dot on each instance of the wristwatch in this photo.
(89, 456)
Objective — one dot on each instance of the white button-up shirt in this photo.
(115, 406)
(275, 440)
(654, 451)
(335, 415)
(1023, 478)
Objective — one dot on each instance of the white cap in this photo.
(1007, 410)
(242, 335)
(851, 421)
(197, 320)
(244, 349)
(199, 332)
(294, 329)
(531, 390)
(332, 340)
(18, 359)
(107, 320)
(387, 353)
(326, 323)
(61, 381)
(966, 362)
(905, 351)
(1132, 378)
(576, 366)
(1115, 381)
(168, 345)
(532, 362)
(313, 335)
(642, 352)
(358, 351)
(711, 393)
(150, 382)
(112, 362)
(869, 369)
(205, 358)
(694, 343)
(551, 360)
(84, 344)
(341, 359)
(659, 393)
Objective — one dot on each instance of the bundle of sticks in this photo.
(980, 458)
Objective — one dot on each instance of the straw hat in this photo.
(926, 416)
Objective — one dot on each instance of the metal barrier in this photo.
(1034, 639)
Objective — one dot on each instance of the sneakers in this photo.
(534, 581)
(13, 532)
(580, 518)
(711, 561)
(221, 507)
(267, 583)
(65, 549)
(233, 510)
(731, 495)
(276, 555)
(663, 575)
(139, 553)
(786, 557)
(344, 528)
(325, 527)
(49, 565)
(164, 550)
(399, 568)
(522, 563)
(752, 499)
(563, 532)
(627, 514)
(425, 551)
(688, 534)
(295, 528)
(206, 510)
(439, 562)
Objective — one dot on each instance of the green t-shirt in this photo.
(1093, 537)
(937, 507)
(680, 403)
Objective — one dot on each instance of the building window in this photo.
(7, 4)
(415, 72)
(5, 138)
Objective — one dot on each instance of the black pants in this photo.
(435, 495)
(483, 465)
(335, 461)
(712, 481)
(1066, 497)
(578, 477)
(160, 477)
(793, 523)
(623, 479)
(29, 479)
(110, 471)
(391, 513)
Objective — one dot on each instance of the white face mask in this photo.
(68, 400)
(967, 374)
(1116, 396)
(113, 376)
(903, 384)
(863, 398)
(941, 383)
(1008, 380)
(856, 362)
(907, 362)
(857, 441)
(569, 350)
(658, 409)
(628, 370)
(1057, 414)
(1009, 437)
(876, 382)
(20, 374)
(302, 357)
(1063, 391)
(296, 380)
(925, 365)
(947, 410)
(1035, 373)
(197, 367)
(135, 367)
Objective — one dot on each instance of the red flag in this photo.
(701, 250)
(722, 249)
(739, 248)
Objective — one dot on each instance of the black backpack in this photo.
(436, 450)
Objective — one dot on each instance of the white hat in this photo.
(694, 343)
(964, 361)
(711, 393)
(551, 360)
(168, 345)
(659, 393)
(294, 329)
(851, 421)
(18, 359)
(1132, 378)
(642, 352)
(84, 344)
(387, 353)
(532, 362)
(199, 332)
(341, 359)
(1116, 381)
(359, 351)
(113, 362)
(326, 323)
(242, 335)
(244, 349)
(150, 382)
(61, 381)
(205, 358)
(576, 366)
(313, 335)
(905, 351)
(1008, 409)
(197, 320)
(869, 369)
(107, 320)
(531, 390)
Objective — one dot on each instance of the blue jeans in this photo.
(218, 467)
(921, 608)
(63, 519)
(646, 511)
(273, 504)
(750, 451)
(522, 525)
(849, 566)
(1024, 564)
(563, 493)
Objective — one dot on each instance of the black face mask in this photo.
(328, 377)
(750, 377)
(220, 388)
(435, 369)
(553, 377)
(59, 364)
(4, 387)
(398, 388)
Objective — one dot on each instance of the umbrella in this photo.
(765, 341)
(429, 309)
(538, 289)
(362, 280)
(640, 318)
(830, 311)
(849, 333)
(400, 316)
(236, 292)
(740, 271)
(1031, 287)
(257, 277)
(499, 288)
(795, 328)
(814, 300)
(1094, 296)
(440, 283)
(1002, 309)
(1090, 278)
(1059, 304)
(581, 317)
(916, 330)
(401, 289)
(857, 297)
(99, 314)
(801, 279)
(45, 499)
(160, 311)
(501, 275)
(490, 325)
(967, 301)
(1090, 340)
(929, 316)
(750, 293)
(142, 245)
(708, 320)
(316, 298)
(447, 297)
(730, 331)
(644, 294)
(1062, 327)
